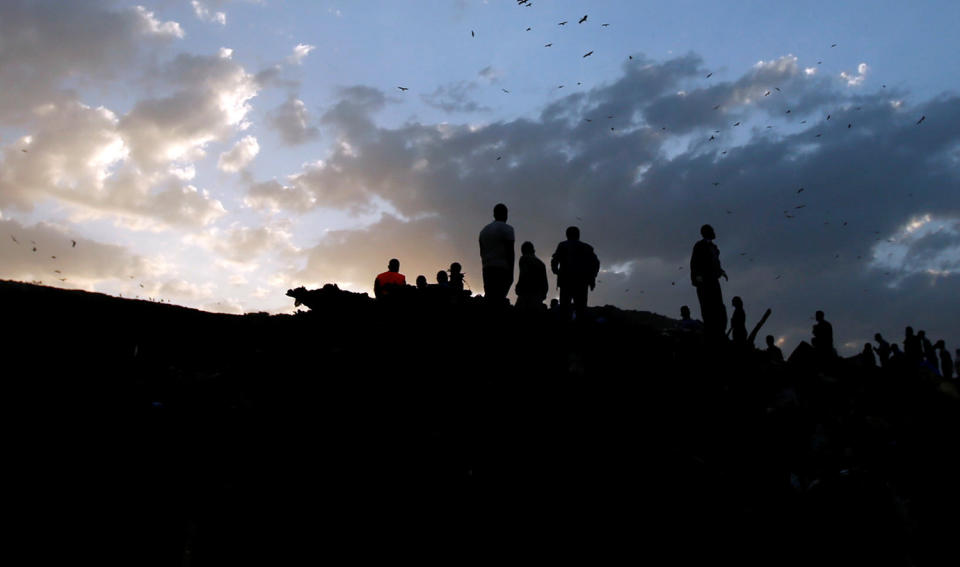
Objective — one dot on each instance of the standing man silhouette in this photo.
(576, 266)
(497, 256)
(705, 273)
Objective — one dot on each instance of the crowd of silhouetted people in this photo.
(576, 266)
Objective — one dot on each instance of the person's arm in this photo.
(510, 257)
(376, 287)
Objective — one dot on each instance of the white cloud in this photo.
(300, 52)
(240, 155)
(152, 25)
(205, 15)
(856, 80)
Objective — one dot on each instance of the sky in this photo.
(214, 154)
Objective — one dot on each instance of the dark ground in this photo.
(149, 434)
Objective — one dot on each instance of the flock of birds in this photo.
(788, 213)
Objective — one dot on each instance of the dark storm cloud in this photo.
(641, 176)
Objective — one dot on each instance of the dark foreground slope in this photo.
(149, 434)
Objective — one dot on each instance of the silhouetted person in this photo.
(576, 266)
(496, 255)
(866, 356)
(442, 279)
(823, 337)
(774, 354)
(882, 349)
(928, 352)
(532, 286)
(688, 324)
(388, 282)
(912, 348)
(421, 282)
(896, 355)
(705, 273)
(456, 276)
(946, 363)
(738, 322)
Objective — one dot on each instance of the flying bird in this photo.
(716, 107)
(548, 45)
(922, 118)
(24, 150)
(712, 138)
(709, 75)
(849, 125)
(563, 23)
(788, 111)
(803, 122)
(766, 93)
(498, 158)
(583, 19)
(716, 183)
(528, 29)
(834, 45)
(818, 135)
(73, 244)
(588, 54)
(14, 239)
(403, 88)
(505, 90)
(800, 190)
(560, 87)
(472, 34)
(604, 25)
(588, 120)
(737, 124)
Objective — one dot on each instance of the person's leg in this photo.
(565, 298)
(580, 300)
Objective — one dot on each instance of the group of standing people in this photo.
(574, 262)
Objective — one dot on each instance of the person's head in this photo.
(500, 212)
(770, 340)
(867, 348)
(573, 233)
(941, 345)
(877, 337)
(455, 268)
(922, 334)
(441, 277)
(706, 231)
(737, 302)
(684, 312)
(909, 331)
(819, 316)
(421, 282)
(393, 265)
(526, 248)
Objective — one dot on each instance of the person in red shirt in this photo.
(389, 280)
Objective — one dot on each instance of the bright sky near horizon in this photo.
(216, 153)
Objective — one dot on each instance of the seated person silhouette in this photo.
(456, 276)
(532, 286)
(688, 324)
(774, 354)
(388, 282)
(421, 282)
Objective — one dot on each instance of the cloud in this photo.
(299, 53)
(245, 244)
(205, 15)
(293, 121)
(46, 43)
(454, 97)
(240, 155)
(640, 193)
(857, 79)
(56, 259)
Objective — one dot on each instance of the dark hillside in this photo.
(151, 434)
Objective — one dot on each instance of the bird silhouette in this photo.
(828, 117)
(922, 118)
(800, 190)
(604, 25)
(73, 244)
(583, 19)
(712, 138)
(14, 239)
(548, 45)
(505, 90)
(766, 93)
(24, 150)
(737, 124)
(709, 75)
(834, 45)
(403, 88)
(472, 34)
(717, 107)
(563, 23)
(528, 29)
(716, 183)
(588, 54)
